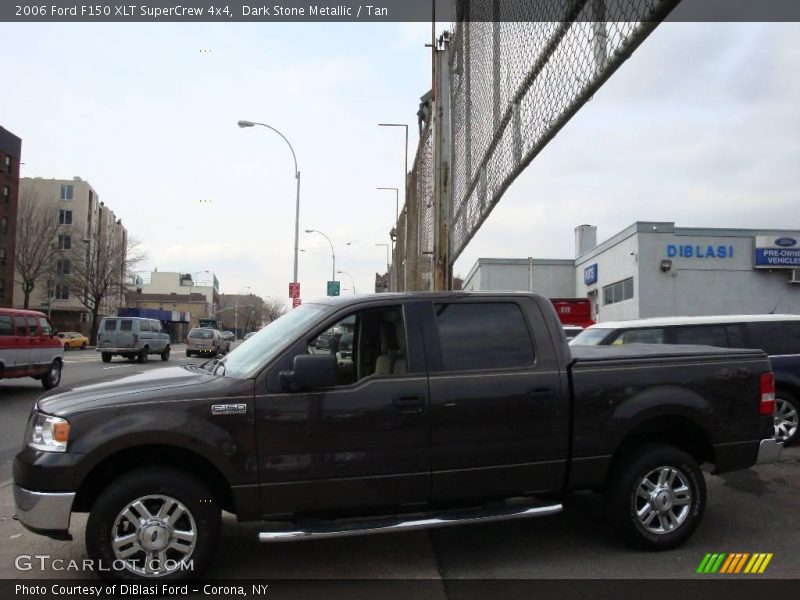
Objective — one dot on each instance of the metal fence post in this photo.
(441, 279)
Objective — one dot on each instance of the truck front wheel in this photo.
(153, 523)
(656, 496)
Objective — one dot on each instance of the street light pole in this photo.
(352, 279)
(297, 201)
(387, 255)
(333, 253)
(236, 312)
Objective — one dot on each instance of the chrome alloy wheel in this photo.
(663, 500)
(153, 535)
(785, 420)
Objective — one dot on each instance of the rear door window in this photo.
(110, 325)
(484, 336)
(6, 325)
(776, 337)
(703, 335)
(126, 325)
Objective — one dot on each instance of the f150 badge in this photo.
(228, 409)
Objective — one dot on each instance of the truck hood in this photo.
(122, 390)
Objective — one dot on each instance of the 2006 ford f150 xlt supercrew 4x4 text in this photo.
(436, 409)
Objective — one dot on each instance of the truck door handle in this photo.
(540, 393)
(409, 405)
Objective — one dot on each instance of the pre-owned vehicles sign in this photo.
(776, 252)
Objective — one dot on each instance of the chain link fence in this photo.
(514, 83)
(414, 250)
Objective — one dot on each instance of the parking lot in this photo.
(756, 510)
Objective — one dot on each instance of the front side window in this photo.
(618, 292)
(483, 336)
(126, 325)
(144, 325)
(366, 343)
(45, 326)
(654, 335)
(66, 192)
(33, 326)
(593, 336)
(155, 326)
(776, 337)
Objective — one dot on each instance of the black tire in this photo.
(106, 356)
(787, 401)
(165, 354)
(142, 356)
(623, 500)
(83, 346)
(66, 347)
(153, 481)
(52, 378)
(188, 354)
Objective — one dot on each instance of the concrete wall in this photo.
(551, 277)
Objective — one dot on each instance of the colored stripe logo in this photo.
(734, 563)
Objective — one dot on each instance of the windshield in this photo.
(265, 345)
(590, 337)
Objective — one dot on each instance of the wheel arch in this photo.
(152, 455)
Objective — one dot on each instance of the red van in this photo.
(29, 347)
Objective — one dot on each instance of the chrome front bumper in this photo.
(47, 513)
(769, 451)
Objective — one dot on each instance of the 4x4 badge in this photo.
(228, 409)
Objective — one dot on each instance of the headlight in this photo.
(49, 434)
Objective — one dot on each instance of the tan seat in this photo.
(392, 360)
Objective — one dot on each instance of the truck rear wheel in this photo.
(656, 496)
(154, 523)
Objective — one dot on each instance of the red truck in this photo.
(573, 311)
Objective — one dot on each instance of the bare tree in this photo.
(273, 309)
(36, 249)
(100, 272)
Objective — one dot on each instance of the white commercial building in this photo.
(654, 269)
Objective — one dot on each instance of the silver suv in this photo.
(132, 337)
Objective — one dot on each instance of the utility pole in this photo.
(442, 277)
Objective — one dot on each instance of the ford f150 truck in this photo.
(448, 408)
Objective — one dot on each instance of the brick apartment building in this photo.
(10, 152)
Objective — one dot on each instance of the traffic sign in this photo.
(296, 302)
(333, 288)
(294, 290)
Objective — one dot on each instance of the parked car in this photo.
(73, 339)
(135, 338)
(29, 347)
(249, 335)
(777, 335)
(571, 331)
(452, 402)
(205, 340)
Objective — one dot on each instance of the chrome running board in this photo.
(349, 527)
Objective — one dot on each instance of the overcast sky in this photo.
(700, 127)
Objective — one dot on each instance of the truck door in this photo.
(499, 415)
(23, 354)
(361, 443)
(125, 334)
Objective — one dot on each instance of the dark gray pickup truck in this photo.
(438, 409)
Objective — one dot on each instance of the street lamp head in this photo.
(310, 230)
(245, 124)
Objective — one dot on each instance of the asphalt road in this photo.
(757, 510)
